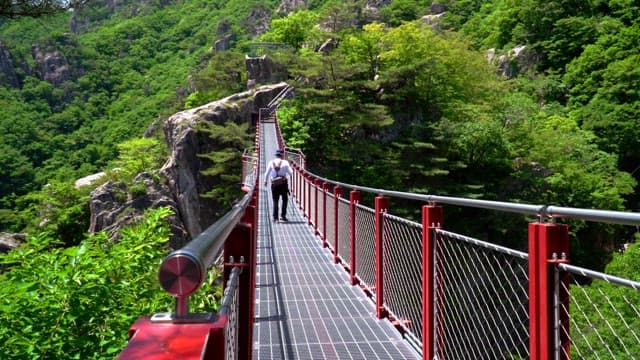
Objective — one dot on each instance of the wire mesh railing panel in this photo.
(604, 316)
(229, 307)
(295, 158)
(482, 301)
(320, 224)
(249, 168)
(312, 203)
(306, 196)
(366, 247)
(330, 236)
(344, 230)
(402, 283)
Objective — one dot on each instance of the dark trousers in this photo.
(277, 192)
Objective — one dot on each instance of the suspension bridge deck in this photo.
(306, 307)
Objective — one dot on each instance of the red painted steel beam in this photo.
(545, 240)
(168, 341)
(241, 243)
(431, 219)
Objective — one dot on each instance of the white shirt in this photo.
(285, 169)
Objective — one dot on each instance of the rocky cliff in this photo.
(180, 183)
(183, 168)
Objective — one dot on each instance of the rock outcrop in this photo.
(224, 36)
(516, 61)
(258, 21)
(184, 166)
(9, 241)
(288, 6)
(51, 66)
(7, 72)
(261, 70)
(114, 206)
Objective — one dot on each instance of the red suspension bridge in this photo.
(341, 280)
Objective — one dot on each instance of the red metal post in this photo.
(354, 199)
(546, 243)
(381, 207)
(431, 219)
(325, 190)
(337, 193)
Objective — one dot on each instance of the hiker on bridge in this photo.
(278, 172)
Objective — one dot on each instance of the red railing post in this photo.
(547, 242)
(381, 207)
(325, 190)
(431, 219)
(337, 193)
(354, 199)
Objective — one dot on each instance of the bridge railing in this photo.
(455, 296)
(228, 333)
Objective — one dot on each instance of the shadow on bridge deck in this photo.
(305, 305)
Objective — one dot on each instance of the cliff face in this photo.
(183, 168)
(7, 73)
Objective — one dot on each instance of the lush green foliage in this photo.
(225, 165)
(394, 104)
(432, 117)
(138, 155)
(78, 302)
(126, 73)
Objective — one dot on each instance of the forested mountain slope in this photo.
(392, 94)
(75, 85)
(421, 100)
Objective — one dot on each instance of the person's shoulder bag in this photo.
(278, 180)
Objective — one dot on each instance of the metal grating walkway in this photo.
(305, 306)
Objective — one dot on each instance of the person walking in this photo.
(278, 172)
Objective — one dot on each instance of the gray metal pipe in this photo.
(542, 211)
(183, 271)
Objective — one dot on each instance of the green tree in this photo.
(223, 76)
(296, 30)
(224, 163)
(399, 11)
(60, 302)
(138, 155)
